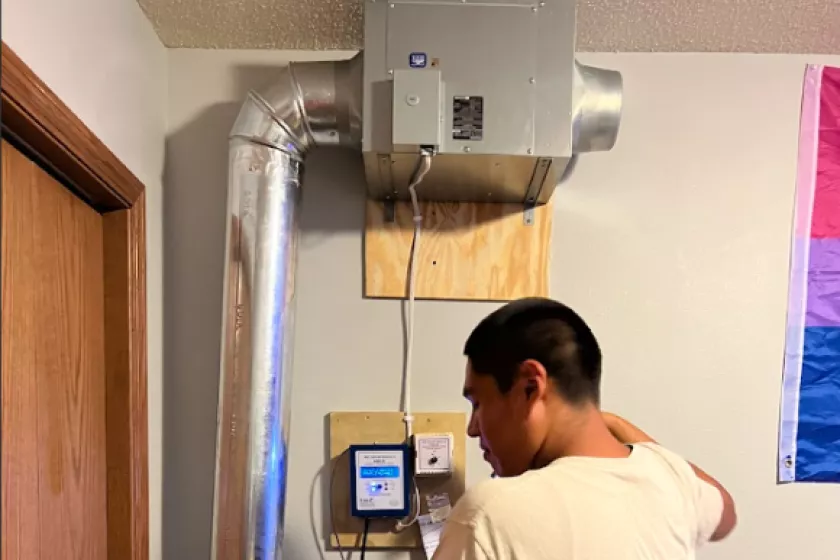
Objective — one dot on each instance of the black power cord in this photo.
(364, 537)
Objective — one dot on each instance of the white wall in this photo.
(102, 58)
(674, 246)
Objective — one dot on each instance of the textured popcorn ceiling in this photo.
(791, 26)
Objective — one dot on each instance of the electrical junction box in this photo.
(380, 480)
(416, 108)
(433, 454)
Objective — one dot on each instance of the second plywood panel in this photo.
(467, 251)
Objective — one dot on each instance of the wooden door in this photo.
(74, 462)
(53, 369)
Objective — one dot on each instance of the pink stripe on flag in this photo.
(826, 216)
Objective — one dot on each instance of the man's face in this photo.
(507, 425)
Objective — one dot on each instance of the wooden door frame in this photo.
(43, 127)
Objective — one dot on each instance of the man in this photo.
(575, 483)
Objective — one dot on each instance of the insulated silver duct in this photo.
(310, 104)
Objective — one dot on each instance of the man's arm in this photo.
(627, 433)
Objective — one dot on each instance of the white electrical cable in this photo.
(423, 166)
(424, 163)
(412, 519)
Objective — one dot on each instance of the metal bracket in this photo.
(389, 212)
(532, 193)
(528, 214)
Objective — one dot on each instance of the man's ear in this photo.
(533, 379)
(530, 389)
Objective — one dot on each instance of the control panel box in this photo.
(433, 454)
(380, 480)
(417, 109)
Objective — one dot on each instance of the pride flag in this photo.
(809, 434)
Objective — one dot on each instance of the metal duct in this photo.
(308, 105)
(597, 108)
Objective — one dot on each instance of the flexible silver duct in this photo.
(308, 105)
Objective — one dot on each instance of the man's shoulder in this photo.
(495, 497)
(658, 450)
(475, 501)
(673, 462)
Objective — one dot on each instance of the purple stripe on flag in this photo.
(823, 300)
(823, 307)
(824, 255)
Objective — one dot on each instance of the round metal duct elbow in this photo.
(597, 108)
(307, 105)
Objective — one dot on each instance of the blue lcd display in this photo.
(379, 472)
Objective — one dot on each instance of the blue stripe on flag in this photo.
(818, 429)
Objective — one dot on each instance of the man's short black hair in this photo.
(543, 330)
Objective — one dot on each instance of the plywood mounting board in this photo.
(347, 428)
(467, 251)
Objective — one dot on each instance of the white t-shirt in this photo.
(649, 506)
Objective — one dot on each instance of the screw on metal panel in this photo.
(391, 72)
(466, 148)
(532, 80)
(534, 9)
(541, 3)
(788, 462)
(530, 151)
